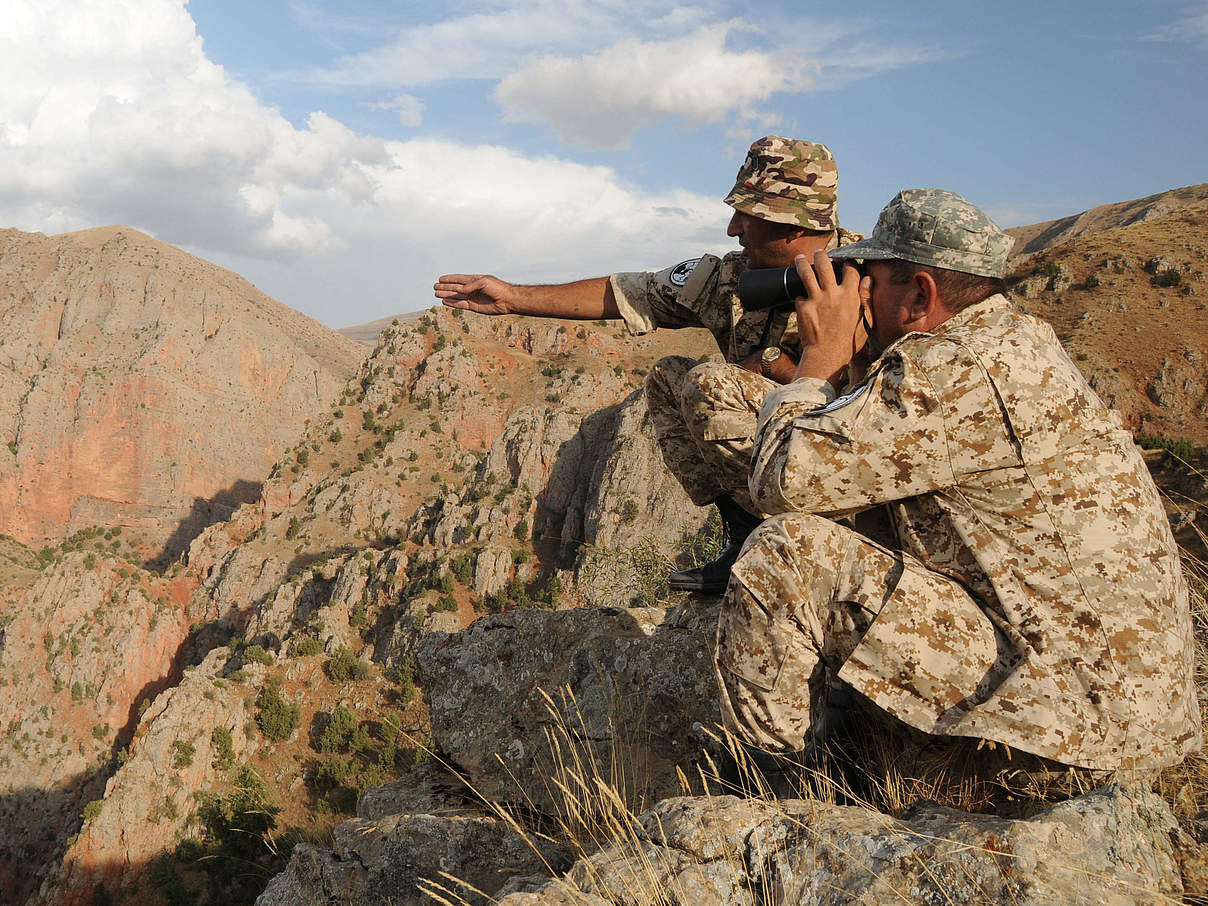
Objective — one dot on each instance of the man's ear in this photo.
(925, 298)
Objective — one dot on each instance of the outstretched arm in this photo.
(584, 299)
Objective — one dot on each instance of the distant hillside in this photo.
(144, 388)
(1039, 236)
(367, 334)
(1129, 303)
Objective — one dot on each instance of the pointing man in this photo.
(784, 203)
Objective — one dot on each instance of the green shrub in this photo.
(307, 645)
(235, 826)
(1178, 451)
(224, 749)
(463, 568)
(1169, 277)
(276, 717)
(91, 810)
(332, 772)
(182, 753)
(345, 666)
(337, 733)
(255, 654)
(404, 675)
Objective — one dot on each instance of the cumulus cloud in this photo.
(446, 207)
(113, 113)
(603, 99)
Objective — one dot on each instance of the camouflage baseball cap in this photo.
(935, 228)
(786, 180)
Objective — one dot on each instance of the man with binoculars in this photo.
(1031, 593)
(784, 202)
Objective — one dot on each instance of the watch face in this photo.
(771, 354)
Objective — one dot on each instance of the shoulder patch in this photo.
(679, 274)
(839, 402)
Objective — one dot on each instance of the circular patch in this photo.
(679, 273)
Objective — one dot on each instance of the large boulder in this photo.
(635, 688)
(392, 859)
(1113, 847)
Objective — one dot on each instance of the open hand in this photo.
(482, 293)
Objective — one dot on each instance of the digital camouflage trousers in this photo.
(704, 416)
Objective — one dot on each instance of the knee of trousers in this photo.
(708, 383)
(665, 379)
(798, 554)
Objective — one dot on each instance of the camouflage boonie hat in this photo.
(787, 180)
(936, 228)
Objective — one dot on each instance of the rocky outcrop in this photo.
(634, 687)
(83, 647)
(395, 859)
(145, 388)
(148, 802)
(1113, 847)
(592, 492)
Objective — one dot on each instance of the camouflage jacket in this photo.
(1004, 470)
(701, 292)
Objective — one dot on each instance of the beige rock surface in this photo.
(143, 387)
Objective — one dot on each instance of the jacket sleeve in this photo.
(916, 424)
(671, 297)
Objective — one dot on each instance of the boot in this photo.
(711, 578)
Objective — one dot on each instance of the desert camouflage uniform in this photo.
(1037, 598)
(707, 299)
(784, 181)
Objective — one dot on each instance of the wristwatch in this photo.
(770, 354)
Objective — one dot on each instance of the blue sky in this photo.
(341, 155)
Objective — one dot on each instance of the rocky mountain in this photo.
(1038, 236)
(1128, 302)
(437, 639)
(144, 388)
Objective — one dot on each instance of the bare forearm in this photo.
(583, 299)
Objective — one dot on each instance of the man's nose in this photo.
(735, 227)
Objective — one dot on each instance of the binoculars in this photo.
(775, 287)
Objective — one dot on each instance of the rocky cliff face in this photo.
(144, 388)
(85, 646)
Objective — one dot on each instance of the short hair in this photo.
(957, 289)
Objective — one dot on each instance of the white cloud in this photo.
(113, 113)
(1191, 29)
(407, 107)
(445, 207)
(480, 45)
(603, 98)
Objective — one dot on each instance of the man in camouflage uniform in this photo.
(784, 204)
(1033, 596)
